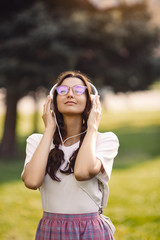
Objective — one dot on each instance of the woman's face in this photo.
(72, 104)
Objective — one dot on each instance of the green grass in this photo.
(134, 201)
(20, 211)
(127, 119)
(137, 145)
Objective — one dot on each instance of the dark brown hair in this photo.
(56, 155)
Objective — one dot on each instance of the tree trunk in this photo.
(35, 116)
(8, 143)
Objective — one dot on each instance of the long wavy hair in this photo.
(56, 155)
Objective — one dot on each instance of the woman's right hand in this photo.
(48, 115)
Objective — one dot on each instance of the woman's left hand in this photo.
(95, 114)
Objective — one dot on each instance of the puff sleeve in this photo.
(106, 150)
(32, 143)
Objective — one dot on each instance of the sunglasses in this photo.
(77, 89)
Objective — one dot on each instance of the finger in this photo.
(95, 104)
(98, 105)
(96, 101)
(45, 106)
(48, 104)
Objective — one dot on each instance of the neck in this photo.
(73, 127)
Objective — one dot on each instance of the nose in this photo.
(70, 92)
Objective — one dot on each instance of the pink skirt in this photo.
(72, 227)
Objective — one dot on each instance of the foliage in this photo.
(37, 46)
(26, 46)
(40, 39)
(115, 56)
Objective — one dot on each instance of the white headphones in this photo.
(93, 88)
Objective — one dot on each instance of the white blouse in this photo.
(70, 196)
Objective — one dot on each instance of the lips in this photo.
(70, 102)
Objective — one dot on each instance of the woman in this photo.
(71, 163)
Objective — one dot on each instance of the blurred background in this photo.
(117, 44)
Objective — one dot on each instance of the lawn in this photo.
(134, 201)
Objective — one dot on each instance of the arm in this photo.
(35, 170)
(87, 165)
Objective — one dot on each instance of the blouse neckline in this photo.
(74, 144)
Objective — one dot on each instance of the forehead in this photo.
(71, 81)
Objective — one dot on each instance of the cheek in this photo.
(59, 104)
(84, 102)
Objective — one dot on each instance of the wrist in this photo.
(49, 131)
(92, 129)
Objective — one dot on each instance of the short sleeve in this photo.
(106, 150)
(32, 143)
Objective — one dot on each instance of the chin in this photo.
(69, 113)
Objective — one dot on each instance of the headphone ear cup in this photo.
(92, 97)
(94, 90)
(52, 90)
(51, 95)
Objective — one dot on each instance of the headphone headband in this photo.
(95, 92)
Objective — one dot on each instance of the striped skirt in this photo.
(72, 227)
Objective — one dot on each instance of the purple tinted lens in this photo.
(79, 89)
(62, 90)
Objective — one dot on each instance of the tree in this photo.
(103, 45)
(28, 55)
(121, 53)
(38, 41)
